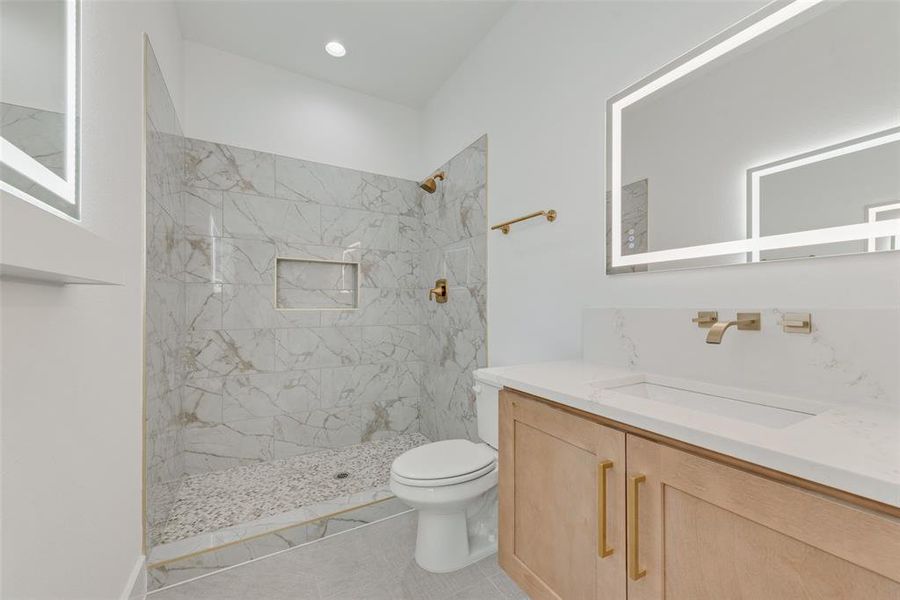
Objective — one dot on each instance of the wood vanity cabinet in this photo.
(697, 528)
(560, 475)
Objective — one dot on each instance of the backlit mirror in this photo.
(39, 102)
(778, 139)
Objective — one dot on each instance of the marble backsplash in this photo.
(852, 355)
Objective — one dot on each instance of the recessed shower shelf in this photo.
(314, 284)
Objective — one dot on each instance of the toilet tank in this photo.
(487, 408)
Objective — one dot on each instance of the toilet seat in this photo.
(444, 463)
(445, 481)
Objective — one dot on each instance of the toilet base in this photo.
(443, 544)
(457, 522)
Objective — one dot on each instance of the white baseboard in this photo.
(136, 586)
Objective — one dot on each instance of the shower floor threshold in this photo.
(243, 531)
(212, 509)
(205, 562)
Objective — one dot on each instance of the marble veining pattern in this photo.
(238, 495)
(41, 134)
(210, 541)
(166, 302)
(241, 544)
(836, 363)
(227, 168)
(635, 225)
(452, 245)
(244, 209)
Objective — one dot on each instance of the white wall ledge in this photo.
(36, 245)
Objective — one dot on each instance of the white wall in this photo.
(235, 100)
(538, 85)
(71, 370)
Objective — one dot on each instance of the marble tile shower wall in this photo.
(454, 339)
(231, 380)
(165, 300)
(263, 383)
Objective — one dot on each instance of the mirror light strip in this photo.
(752, 31)
(20, 161)
(73, 54)
(871, 244)
(857, 145)
(14, 191)
(797, 239)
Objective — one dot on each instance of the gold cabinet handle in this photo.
(634, 570)
(602, 549)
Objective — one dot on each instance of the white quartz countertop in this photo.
(853, 447)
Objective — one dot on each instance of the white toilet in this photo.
(453, 485)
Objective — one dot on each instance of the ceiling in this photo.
(400, 51)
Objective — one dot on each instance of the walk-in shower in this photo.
(291, 352)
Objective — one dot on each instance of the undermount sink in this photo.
(760, 408)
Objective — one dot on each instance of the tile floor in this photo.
(374, 562)
(183, 567)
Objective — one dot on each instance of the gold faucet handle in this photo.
(749, 321)
(797, 323)
(706, 318)
(439, 292)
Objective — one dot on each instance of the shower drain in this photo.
(342, 475)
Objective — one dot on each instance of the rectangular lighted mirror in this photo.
(39, 102)
(778, 139)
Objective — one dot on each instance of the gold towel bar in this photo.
(504, 227)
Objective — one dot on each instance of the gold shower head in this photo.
(430, 184)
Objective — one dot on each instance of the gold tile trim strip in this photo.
(145, 528)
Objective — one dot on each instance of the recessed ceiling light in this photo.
(336, 49)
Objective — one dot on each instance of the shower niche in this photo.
(312, 284)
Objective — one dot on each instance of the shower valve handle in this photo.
(439, 292)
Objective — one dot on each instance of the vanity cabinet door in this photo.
(702, 530)
(562, 519)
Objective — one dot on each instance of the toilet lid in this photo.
(443, 460)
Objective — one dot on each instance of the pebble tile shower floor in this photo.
(221, 499)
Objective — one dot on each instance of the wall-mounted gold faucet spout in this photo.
(744, 322)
